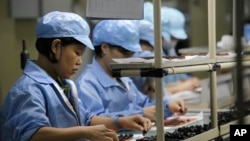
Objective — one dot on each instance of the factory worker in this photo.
(148, 11)
(146, 37)
(172, 22)
(172, 25)
(43, 103)
(109, 96)
(173, 29)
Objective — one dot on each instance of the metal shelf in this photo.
(126, 64)
(165, 64)
(205, 64)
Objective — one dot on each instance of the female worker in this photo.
(110, 96)
(43, 104)
(173, 30)
(173, 22)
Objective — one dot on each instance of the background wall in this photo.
(11, 34)
(12, 31)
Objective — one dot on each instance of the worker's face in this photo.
(111, 52)
(145, 47)
(69, 59)
(119, 52)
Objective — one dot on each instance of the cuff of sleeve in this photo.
(167, 112)
(117, 125)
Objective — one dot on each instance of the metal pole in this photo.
(183, 69)
(212, 53)
(238, 32)
(158, 64)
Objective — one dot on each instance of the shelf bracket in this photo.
(144, 72)
(215, 67)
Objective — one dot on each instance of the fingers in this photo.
(144, 124)
(182, 107)
(183, 110)
(115, 138)
(101, 132)
(109, 139)
(147, 126)
(112, 135)
(196, 82)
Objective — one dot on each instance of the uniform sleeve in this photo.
(92, 96)
(85, 114)
(27, 114)
(92, 101)
(167, 112)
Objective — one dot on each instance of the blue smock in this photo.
(35, 101)
(105, 96)
(139, 81)
(174, 78)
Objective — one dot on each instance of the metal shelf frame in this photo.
(207, 64)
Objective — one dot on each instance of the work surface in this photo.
(199, 130)
(188, 120)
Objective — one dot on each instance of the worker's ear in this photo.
(105, 48)
(55, 45)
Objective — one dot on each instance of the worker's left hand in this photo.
(135, 122)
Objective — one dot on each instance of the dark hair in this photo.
(43, 46)
(145, 42)
(98, 50)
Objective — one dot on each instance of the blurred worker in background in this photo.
(146, 34)
(43, 104)
(111, 96)
(173, 23)
(146, 39)
(148, 11)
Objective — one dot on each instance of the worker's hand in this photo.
(150, 112)
(100, 133)
(196, 82)
(135, 122)
(185, 85)
(177, 106)
(190, 84)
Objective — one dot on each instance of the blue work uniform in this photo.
(36, 100)
(107, 97)
(139, 81)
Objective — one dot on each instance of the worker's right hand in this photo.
(100, 133)
(150, 112)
